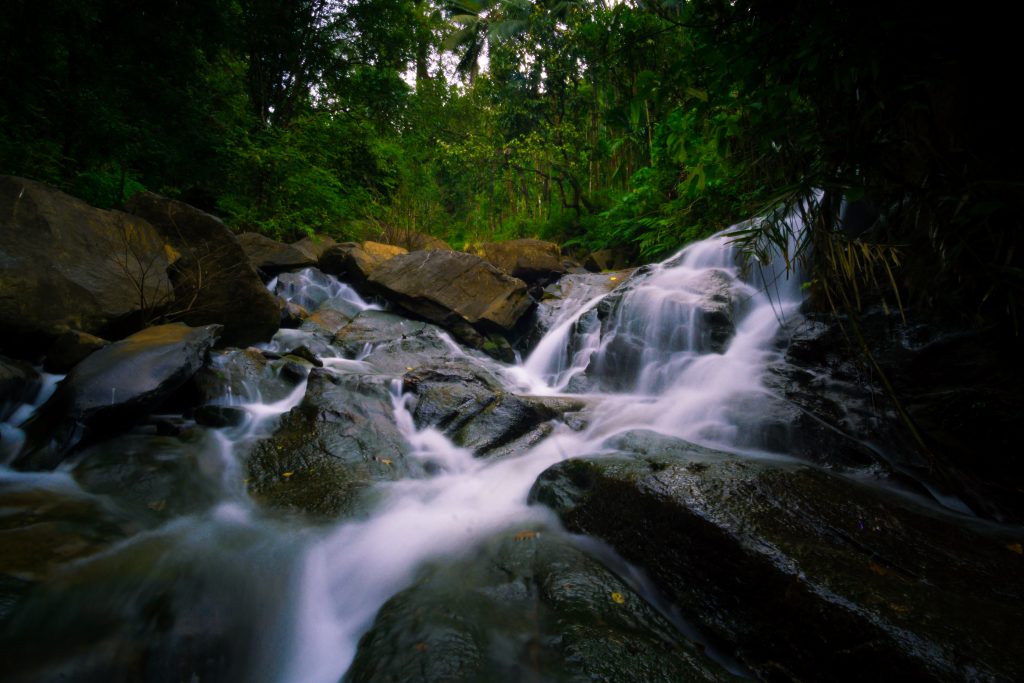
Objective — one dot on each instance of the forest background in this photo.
(636, 125)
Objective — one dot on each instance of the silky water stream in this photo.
(670, 351)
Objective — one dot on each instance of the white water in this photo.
(350, 572)
(338, 578)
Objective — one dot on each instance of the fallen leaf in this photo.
(613, 278)
(409, 368)
(386, 461)
(287, 474)
(877, 568)
(420, 647)
(617, 598)
(158, 506)
(1015, 548)
(525, 535)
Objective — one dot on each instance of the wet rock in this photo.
(152, 478)
(217, 416)
(113, 388)
(314, 246)
(458, 291)
(532, 261)
(70, 349)
(241, 374)
(871, 584)
(395, 343)
(212, 277)
(354, 263)
(560, 298)
(330, 448)
(312, 288)
(19, 384)
(649, 320)
(327, 321)
(292, 314)
(473, 409)
(272, 257)
(525, 606)
(306, 354)
(66, 265)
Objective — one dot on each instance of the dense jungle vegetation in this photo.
(635, 124)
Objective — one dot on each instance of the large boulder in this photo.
(314, 246)
(272, 257)
(561, 299)
(66, 265)
(355, 263)
(328, 450)
(532, 261)
(113, 388)
(213, 279)
(872, 583)
(526, 606)
(458, 291)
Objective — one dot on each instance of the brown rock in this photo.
(213, 279)
(66, 265)
(452, 288)
(70, 349)
(273, 257)
(355, 263)
(532, 261)
(314, 246)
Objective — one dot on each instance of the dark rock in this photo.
(70, 349)
(217, 416)
(19, 384)
(328, 450)
(66, 265)
(306, 354)
(532, 261)
(327, 322)
(313, 247)
(355, 263)
(273, 257)
(311, 288)
(153, 478)
(395, 343)
(113, 388)
(871, 585)
(455, 290)
(241, 374)
(526, 606)
(213, 279)
(473, 409)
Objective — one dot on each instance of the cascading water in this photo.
(668, 351)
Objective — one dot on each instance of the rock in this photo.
(871, 584)
(559, 299)
(532, 261)
(66, 265)
(314, 246)
(395, 342)
(213, 279)
(292, 314)
(607, 259)
(19, 384)
(113, 388)
(412, 240)
(458, 291)
(329, 449)
(312, 289)
(525, 606)
(327, 322)
(218, 416)
(272, 257)
(645, 321)
(473, 409)
(70, 349)
(153, 478)
(354, 263)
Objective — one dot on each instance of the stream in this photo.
(186, 569)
